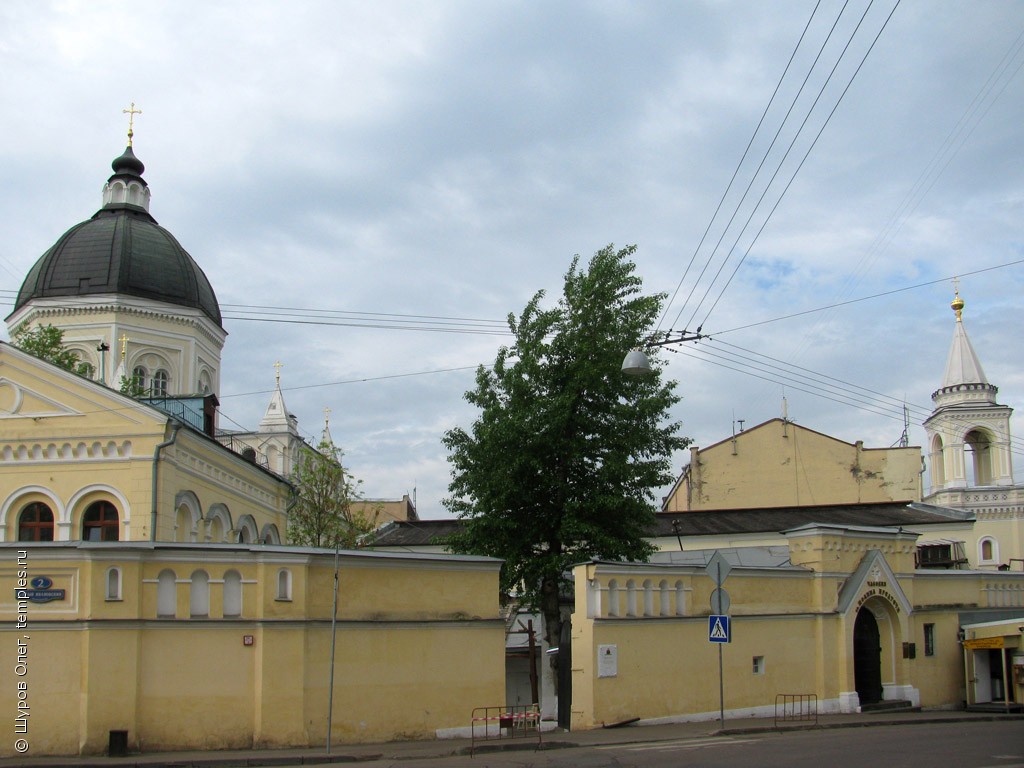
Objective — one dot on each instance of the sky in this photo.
(372, 188)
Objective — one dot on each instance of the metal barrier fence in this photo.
(496, 723)
(796, 708)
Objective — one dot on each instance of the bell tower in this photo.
(968, 431)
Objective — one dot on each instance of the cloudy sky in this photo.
(372, 187)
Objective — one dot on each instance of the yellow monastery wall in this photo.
(419, 643)
(792, 631)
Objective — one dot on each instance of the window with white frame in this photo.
(113, 585)
(232, 594)
(284, 584)
(199, 595)
(988, 551)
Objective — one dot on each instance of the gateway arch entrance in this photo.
(867, 657)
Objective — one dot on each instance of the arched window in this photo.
(199, 595)
(86, 369)
(113, 586)
(166, 595)
(232, 594)
(183, 525)
(100, 523)
(160, 382)
(988, 551)
(284, 584)
(35, 523)
(938, 466)
(139, 377)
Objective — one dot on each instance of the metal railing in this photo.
(497, 723)
(796, 708)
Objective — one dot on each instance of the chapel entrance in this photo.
(867, 658)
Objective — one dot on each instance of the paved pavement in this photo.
(399, 750)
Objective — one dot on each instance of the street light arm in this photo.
(637, 363)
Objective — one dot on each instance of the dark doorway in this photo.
(867, 658)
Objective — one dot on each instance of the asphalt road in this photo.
(963, 745)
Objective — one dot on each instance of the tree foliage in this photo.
(561, 463)
(47, 342)
(324, 514)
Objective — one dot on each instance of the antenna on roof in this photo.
(905, 437)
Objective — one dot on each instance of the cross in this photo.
(131, 112)
(327, 416)
(277, 370)
(124, 345)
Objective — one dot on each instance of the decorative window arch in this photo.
(199, 595)
(219, 518)
(139, 377)
(284, 584)
(232, 594)
(166, 594)
(247, 531)
(35, 522)
(113, 583)
(270, 534)
(988, 550)
(161, 383)
(100, 522)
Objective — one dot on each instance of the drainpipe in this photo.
(156, 466)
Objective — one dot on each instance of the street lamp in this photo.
(636, 362)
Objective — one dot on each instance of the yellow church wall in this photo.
(779, 463)
(411, 667)
(792, 630)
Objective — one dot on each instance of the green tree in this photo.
(561, 463)
(47, 342)
(326, 514)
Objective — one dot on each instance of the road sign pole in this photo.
(721, 676)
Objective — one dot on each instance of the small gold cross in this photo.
(124, 345)
(277, 370)
(131, 112)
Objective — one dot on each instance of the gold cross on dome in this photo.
(124, 345)
(131, 112)
(277, 370)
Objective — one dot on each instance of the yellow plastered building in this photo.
(782, 464)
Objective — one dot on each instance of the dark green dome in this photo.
(123, 250)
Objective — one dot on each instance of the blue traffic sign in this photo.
(718, 629)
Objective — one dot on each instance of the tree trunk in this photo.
(551, 608)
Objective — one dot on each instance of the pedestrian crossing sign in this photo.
(718, 629)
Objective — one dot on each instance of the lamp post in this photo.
(636, 362)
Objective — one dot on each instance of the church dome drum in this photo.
(121, 250)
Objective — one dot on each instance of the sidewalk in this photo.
(404, 750)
